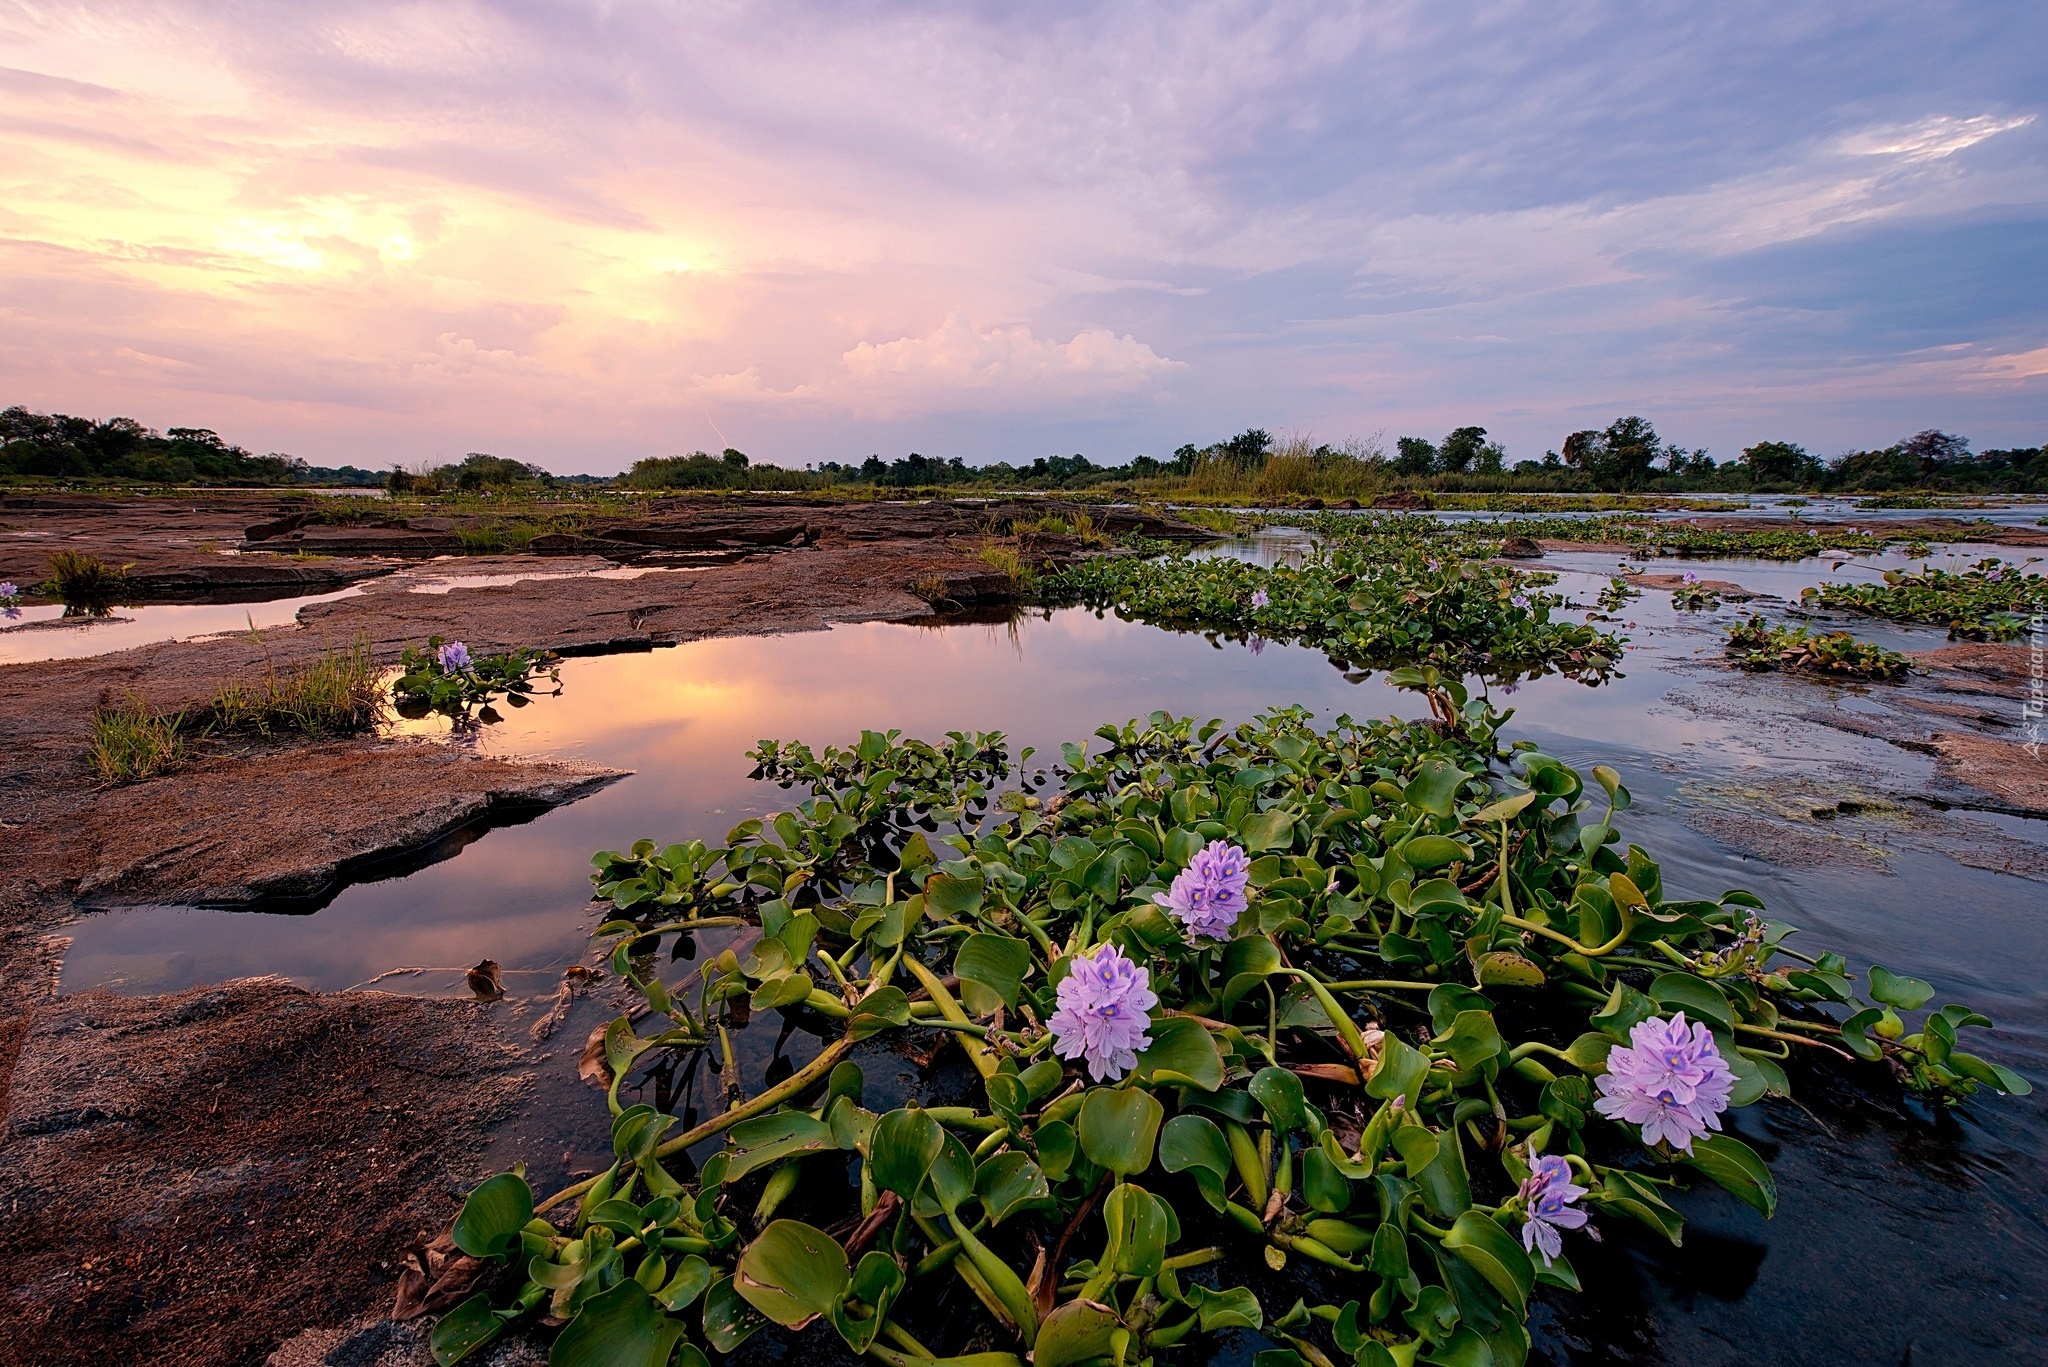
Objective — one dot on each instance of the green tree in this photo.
(1460, 449)
(1417, 456)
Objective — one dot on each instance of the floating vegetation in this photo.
(445, 678)
(1389, 999)
(1618, 594)
(1694, 596)
(1757, 645)
(1366, 606)
(133, 741)
(1989, 601)
(1643, 537)
(335, 694)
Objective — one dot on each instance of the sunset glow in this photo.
(373, 232)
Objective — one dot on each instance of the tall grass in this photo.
(1006, 561)
(1296, 469)
(81, 577)
(134, 741)
(338, 693)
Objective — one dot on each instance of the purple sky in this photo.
(580, 234)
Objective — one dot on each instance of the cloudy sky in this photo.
(579, 233)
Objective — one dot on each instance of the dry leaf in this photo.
(590, 1065)
(436, 1276)
(565, 997)
(484, 981)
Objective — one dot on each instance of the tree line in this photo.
(1626, 455)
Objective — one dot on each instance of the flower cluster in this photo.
(8, 593)
(1547, 1195)
(1101, 1017)
(1208, 895)
(453, 657)
(1670, 1079)
(1259, 598)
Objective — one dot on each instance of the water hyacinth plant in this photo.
(1693, 596)
(445, 678)
(1989, 601)
(1455, 1020)
(1757, 645)
(1366, 607)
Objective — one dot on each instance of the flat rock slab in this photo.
(194, 1178)
(296, 824)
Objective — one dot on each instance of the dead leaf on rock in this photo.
(590, 1065)
(485, 982)
(434, 1278)
(573, 980)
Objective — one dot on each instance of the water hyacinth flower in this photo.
(1548, 1193)
(1255, 644)
(1519, 601)
(1259, 598)
(454, 657)
(1670, 1079)
(1691, 578)
(8, 590)
(1101, 1017)
(1208, 895)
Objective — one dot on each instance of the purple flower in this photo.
(1548, 1193)
(1208, 895)
(454, 657)
(7, 589)
(1670, 1079)
(1691, 578)
(1259, 598)
(1519, 601)
(1255, 644)
(1101, 1016)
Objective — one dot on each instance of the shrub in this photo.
(83, 579)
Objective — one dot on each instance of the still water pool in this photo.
(1901, 1236)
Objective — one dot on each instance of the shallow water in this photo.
(1900, 1236)
(45, 633)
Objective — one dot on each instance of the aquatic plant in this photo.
(1988, 601)
(1365, 606)
(1757, 645)
(9, 596)
(1693, 596)
(336, 693)
(133, 741)
(1618, 594)
(445, 678)
(1389, 1076)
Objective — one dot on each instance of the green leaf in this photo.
(728, 1320)
(1400, 1072)
(493, 1215)
(466, 1328)
(1435, 786)
(1737, 1168)
(1630, 1195)
(1236, 1308)
(1322, 1185)
(1907, 994)
(877, 1011)
(1192, 1142)
(1503, 968)
(789, 1132)
(952, 896)
(1626, 1008)
(1074, 1332)
(1279, 1092)
(622, 1327)
(1698, 998)
(1856, 1033)
(991, 968)
(693, 1276)
(1434, 851)
(902, 1150)
(1496, 1255)
(1009, 1182)
(792, 1272)
(876, 1284)
(1182, 1054)
(1990, 1074)
(1118, 1127)
(1140, 1228)
(1273, 830)
(1247, 961)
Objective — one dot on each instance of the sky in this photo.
(583, 233)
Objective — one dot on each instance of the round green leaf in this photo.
(493, 1216)
(792, 1273)
(1118, 1127)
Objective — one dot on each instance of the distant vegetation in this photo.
(1626, 456)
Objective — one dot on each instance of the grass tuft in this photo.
(133, 741)
(336, 694)
(82, 577)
